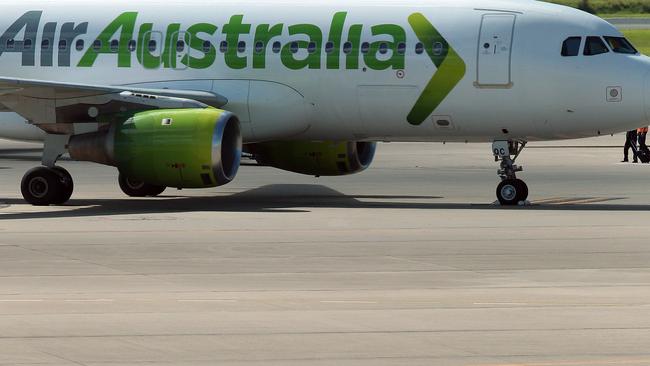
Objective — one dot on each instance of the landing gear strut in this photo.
(511, 191)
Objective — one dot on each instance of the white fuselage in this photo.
(515, 83)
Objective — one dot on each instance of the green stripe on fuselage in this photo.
(450, 69)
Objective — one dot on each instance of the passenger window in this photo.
(45, 44)
(438, 48)
(63, 45)
(621, 45)
(79, 46)
(347, 48)
(311, 48)
(207, 46)
(401, 48)
(277, 47)
(152, 46)
(10, 44)
(115, 45)
(259, 47)
(419, 48)
(180, 45)
(329, 47)
(27, 44)
(223, 47)
(595, 46)
(571, 46)
(383, 48)
(241, 47)
(97, 45)
(132, 45)
(365, 47)
(294, 47)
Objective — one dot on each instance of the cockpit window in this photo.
(621, 45)
(595, 46)
(571, 47)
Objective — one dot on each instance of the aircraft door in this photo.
(495, 51)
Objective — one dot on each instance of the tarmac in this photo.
(408, 263)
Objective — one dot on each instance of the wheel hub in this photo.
(38, 187)
(509, 192)
(135, 185)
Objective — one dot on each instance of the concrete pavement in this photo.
(408, 263)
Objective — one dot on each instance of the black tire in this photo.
(512, 191)
(139, 189)
(67, 185)
(523, 191)
(155, 191)
(42, 186)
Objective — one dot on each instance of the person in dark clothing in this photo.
(630, 143)
(642, 135)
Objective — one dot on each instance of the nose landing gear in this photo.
(511, 191)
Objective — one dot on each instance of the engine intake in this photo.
(181, 148)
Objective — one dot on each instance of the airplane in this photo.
(173, 93)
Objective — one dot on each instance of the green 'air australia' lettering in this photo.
(8, 43)
(336, 33)
(181, 46)
(290, 50)
(396, 60)
(198, 43)
(264, 34)
(233, 30)
(124, 25)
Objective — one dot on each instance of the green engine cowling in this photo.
(315, 158)
(181, 148)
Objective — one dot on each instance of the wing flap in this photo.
(45, 102)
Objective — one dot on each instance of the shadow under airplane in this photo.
(289, 198)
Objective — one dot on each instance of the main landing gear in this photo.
(52, 185)
(511, 191)
(43, 186)
(133, 188)
(49, 184)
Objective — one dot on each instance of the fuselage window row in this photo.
(382, 48)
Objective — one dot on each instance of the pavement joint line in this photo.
(207, 300)
(347, 302)
(21, 300)
(89, 300)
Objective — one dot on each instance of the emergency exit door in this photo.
(495, 50)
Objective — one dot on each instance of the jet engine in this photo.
(315, 158)
(180, 148)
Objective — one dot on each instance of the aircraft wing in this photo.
(47, 102)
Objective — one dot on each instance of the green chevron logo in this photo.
(450, 69)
